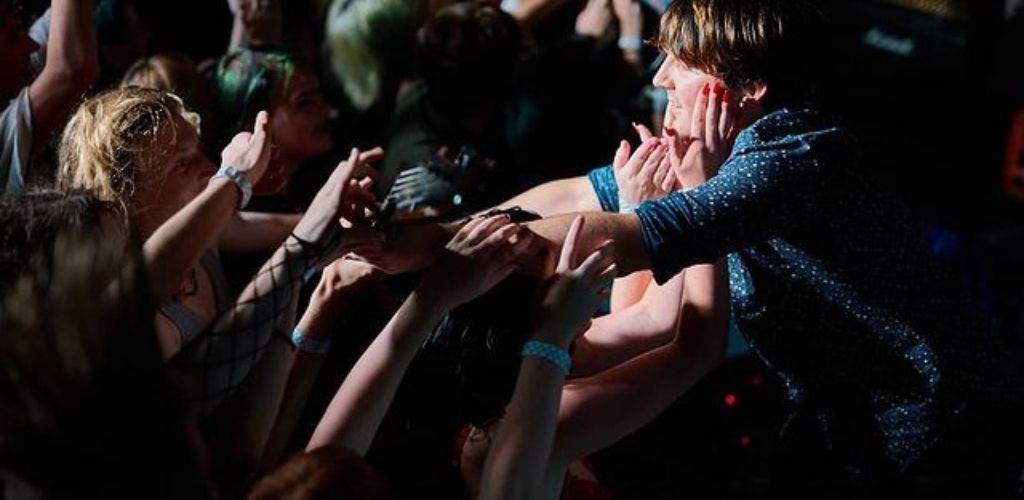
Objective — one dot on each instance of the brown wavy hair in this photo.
(119, 139)
(746, 42)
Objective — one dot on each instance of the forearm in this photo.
(629, 290)
(214, 365)
(644, 326)
(252, 232)
(624, 229)
(599, 410)
(176, 246)
(518, 457)
(321, 315)
(557, 197)
(245, 420)
(355, 413)
(72, 65)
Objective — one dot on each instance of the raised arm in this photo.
(599, 410)
(72, 66)
(176, 246)
(562, 196)
(516, 464)
(481, 254)
(255, 232)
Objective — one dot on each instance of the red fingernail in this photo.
(726, 96)
(707, 88)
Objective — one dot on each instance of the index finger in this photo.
(566, 258)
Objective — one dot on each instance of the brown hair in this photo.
(745, 42)
(330, 472)
(118, 139)
(169, 71)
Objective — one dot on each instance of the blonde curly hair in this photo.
(119, 139)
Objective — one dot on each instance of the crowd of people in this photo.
(388, 248)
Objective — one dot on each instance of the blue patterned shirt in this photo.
(832, 286)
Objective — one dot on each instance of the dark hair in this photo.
(31, 222)
(246, 82)
(85, 411)
(481, 341)
(747, 42)
(469, 56)
(329, 472)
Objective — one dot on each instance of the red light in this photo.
(730, 400)
(745, 440)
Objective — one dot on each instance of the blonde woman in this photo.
(138, 148)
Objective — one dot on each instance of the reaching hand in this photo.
(594, 19)
(249, 152)
(480, 255)
(630, 16)
(575, 291)
(343, 195)
(644, 175)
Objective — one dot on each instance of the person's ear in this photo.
(755, 95)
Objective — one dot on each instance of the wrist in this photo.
(551, 334)
(239, 179)
(631, 42)
(556, 355)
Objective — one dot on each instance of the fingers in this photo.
(371, 155)
(485, 229)
(603, 283)
(643, 131)
(662, 176)
(727, 120)
(700, 113)
(596, 260)
(639, 158)
(467, 229)
(653, 161)
(621, 156)
(496, 240)
(566, 257)
(712, 118)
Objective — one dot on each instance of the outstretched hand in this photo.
(481, 254)
(346, 196)
(576, 290)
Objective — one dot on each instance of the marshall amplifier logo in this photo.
(893, 44)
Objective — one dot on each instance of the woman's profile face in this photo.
(187, 174)
(299, 119)
(682, 84)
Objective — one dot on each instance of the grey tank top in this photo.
(189, 324)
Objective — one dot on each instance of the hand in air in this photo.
(576, 290)
(345, 196)
(249, 152)
(480, 255)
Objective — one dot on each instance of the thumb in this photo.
(621, 156)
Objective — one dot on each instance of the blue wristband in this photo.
(306, 344)
(556, 355)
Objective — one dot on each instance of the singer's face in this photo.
(682, 84)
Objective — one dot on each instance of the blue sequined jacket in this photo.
(831, 285)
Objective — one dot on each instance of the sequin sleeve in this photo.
(755, 196)
(602, 179)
